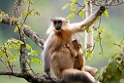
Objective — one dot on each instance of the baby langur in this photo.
(79, 60)
(60, 34)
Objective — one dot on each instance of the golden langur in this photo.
(63, 61)
(79, 59)
(60, 33)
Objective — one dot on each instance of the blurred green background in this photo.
(49, 8)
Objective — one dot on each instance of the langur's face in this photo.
(77, 44)
(57, 24)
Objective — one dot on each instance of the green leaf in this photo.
(35, 60)
(15, 20)
(28, 60)
(14, 40)
(87, 28)
(81, 13)
(97, 39)
(33, 52)
(102, 53)
(37, 13)
(86, 1)
(28, 47)
(122, 42)
(101, 30)
(70, 16)
(24, 13)
(89, 54)
(13, 58)
(17, 28)
(29, 71)
(105, 13)
(73, 8)
(123, 73)
(31, 2)
(24, 1)
(6, 15)
(33, 12)
(99, 73)
(10, 21)
(74, 1)
(112, 67)
(14, 46)
(113, 80)
(26, 26)
(65, 6)
(1, 19)
(1, 53)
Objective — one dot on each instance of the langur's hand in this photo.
(47, 75)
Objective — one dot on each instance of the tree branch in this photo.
(30, 78)
(22, 37)
(28, 32)
(89, 36)
(34, 37)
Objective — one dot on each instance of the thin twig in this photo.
(101, 46)
(29, 12)
(30, 68)
(93, 46)
(99, 34)
(118, 45)
(79, 5)
(9, 64)
(4, 64)
(117, 4)
(99, 22)
(81, 9)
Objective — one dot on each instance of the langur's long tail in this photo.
(74, 75)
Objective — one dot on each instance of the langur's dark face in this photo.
(77, 44)
(57, 24)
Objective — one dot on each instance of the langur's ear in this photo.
(53, 18)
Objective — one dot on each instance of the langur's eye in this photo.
(60, 23)
(75, 40)
(55, 22)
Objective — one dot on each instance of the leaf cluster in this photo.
(114, 70)
(74, 10)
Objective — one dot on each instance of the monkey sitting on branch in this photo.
(79, 59)
(63, 63)
(60, 33)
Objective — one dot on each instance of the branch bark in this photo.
(22, 37)
(30, 78)
(88, 44)
(34, 37)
